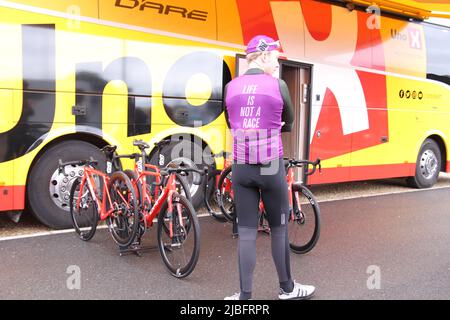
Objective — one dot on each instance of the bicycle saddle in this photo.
(141, 144)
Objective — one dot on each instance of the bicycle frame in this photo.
(158, 199)
(88, 177)
(290, 177)
(228, 188)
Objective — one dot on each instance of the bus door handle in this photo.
(305, 91)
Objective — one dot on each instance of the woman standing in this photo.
(258, 108)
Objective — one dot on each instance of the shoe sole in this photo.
(300, 298)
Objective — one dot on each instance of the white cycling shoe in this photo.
(233, 297)
(300, 292)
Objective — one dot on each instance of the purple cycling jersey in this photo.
(254, 106)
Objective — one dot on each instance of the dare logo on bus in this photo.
(161, 8)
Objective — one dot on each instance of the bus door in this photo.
(6, 167)
(298, 79)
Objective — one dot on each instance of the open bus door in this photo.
(7, 172)
(298, 79)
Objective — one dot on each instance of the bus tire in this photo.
(45, 193)
(428, 166)
(170, 154)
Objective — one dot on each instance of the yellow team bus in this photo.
(371, 92)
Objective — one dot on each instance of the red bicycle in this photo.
(96, 196)
(178, 227)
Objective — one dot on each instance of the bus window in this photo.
(438, 53)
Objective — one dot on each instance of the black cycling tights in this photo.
(250, 181)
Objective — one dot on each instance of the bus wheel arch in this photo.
(431, 160)
(197, 157)
(41, 199)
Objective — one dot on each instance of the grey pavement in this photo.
(404, 237)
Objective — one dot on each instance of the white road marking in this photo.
(378, 194)
(56, 232)
(203, 215)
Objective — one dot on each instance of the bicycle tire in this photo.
(135, 183)
(314, 208)
(193, 228)
(79, 226)
(212, 192)
(122, 230)
(227, 213)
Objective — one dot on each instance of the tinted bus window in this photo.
(438, 53)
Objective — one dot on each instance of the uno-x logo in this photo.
(39, 102)
(415, 39)
(412, 35)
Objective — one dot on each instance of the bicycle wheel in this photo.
(225, 194)
(212, 205)
(135, 183)
(124, 221)
(304, 221)
(85, 217)
(179, 251)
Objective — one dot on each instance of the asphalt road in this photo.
(403, 238)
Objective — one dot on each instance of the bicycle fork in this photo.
(175, 217)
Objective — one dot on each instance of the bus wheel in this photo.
(48, 192)
(191, 154)
(428, 166)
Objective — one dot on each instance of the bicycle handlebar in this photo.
(302, 163)
(221, 154)
(180, 170)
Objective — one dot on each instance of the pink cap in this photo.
(262, 43)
